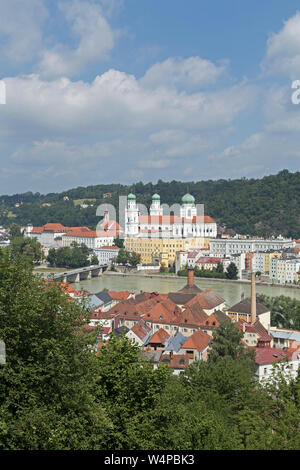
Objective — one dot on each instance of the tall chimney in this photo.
(190, 277)
(253, 299)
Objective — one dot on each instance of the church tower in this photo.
(188, 208)
(155, 208)
(131, 217)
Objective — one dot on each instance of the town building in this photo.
(55, 234)
(186, 224)
(140, 334)
(249, 310)
(162, 250)
(196, 346)
(158, 237)
(267, 357)
(284, 338)
(226, 247)
(106, 254)
(242, 312)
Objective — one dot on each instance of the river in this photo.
(230, 291)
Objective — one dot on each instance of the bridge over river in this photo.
(80, 274)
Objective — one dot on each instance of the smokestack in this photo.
(253, 299)
(190, 277)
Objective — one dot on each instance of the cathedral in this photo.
(187, 224)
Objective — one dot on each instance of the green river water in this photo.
(230, 291)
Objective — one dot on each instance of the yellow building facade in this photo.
(268, 257)
(163, 250)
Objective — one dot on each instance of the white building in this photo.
(292, 267)
(258, 262)
(47, 235)
(284, 270)
(92, 239)
(186, 224)
(55, 234)
(106, 254)
(267, 357)
(227, 247)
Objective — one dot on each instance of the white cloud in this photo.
(263, 152)
(63, 106)
(21, 25)
(57, 126)
(193, 72)
(283, 50)
(95, 40)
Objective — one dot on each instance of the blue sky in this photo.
(122, 91)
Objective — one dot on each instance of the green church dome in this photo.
(131, 197)
(156, 197)
(188, 199)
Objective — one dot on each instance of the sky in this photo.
(121, 91)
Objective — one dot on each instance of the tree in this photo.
(220, 268)
(29, 247)
(74, 256)
(130, 388)
(227, 343)
(232, 271)
(47, 386)
(51, 258)
(134, 259)
(123, 256)
(119, 242)
(94, 260)
(15, 231)
(285, 311)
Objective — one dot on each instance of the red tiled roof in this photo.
(160, 336)
(109, 248)
(193, 315)
(206, 300)
(211, 322)
(178, 361)
(106, 330)
(141, 329)
(122, 295)
(199, 341)
(171, 219)
(37, 230)
(51, 227)
(163, 311)
(269, 355)
(68, 288)
(208, 260)
(110, 225)
(76, 229)
(89, 234)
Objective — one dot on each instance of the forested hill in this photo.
(264, 207)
